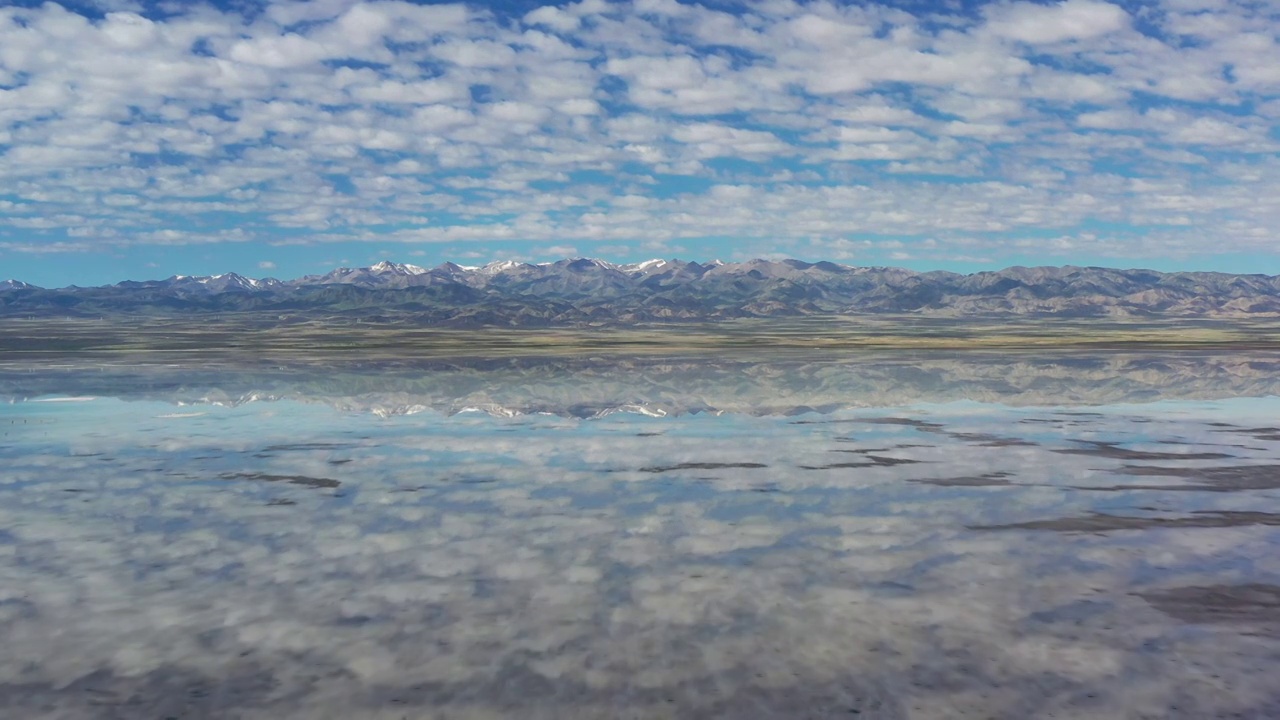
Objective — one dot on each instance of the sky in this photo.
(146, 139)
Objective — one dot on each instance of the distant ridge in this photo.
(582, 291)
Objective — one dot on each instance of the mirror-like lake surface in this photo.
(895, 536)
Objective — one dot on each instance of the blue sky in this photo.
(141, 140)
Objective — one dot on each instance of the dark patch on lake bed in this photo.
(1098, 448)
(305, 480)
(872, 461)
(991, 479)
(990, 440)
(1269, 434)
(164, 693)
(1223, 478)
(1101, 522)
(702, 466)
(1248, 603)
(286, 447)
(906, 422)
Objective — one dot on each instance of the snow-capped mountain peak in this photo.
(500, 266)
(229, 278)
(220, 283)
(642, 267)
(579, 261)
(15, 285)
(397, 268)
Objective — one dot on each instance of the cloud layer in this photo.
(1072, 130)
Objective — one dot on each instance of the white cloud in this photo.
(1208, 131)
(439, 118)
(1110, 120)
(286, 51)
(557, 251)
(554, 18)
(1069, 20)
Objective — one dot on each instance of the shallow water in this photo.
(878, 537)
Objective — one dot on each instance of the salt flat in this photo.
(888, 536)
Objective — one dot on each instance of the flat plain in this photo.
(232, 335)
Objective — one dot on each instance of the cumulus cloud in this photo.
(348, 121)
(1069, 20)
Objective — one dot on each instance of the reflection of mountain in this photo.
(673, 386)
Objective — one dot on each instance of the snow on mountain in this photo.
(229, 281)
(16, 285)
(398, 268)
(644, 267)
(580, 263)
(501, 266)
(588, 290)
(383, 274)
(225, 282)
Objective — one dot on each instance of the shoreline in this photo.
(235, 336)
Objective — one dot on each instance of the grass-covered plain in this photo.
(238, 335)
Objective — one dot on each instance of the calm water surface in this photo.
(887, 537)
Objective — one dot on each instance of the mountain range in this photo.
(585, 291)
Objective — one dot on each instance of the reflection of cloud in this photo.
(485, 566)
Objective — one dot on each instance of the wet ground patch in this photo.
(304, 480)
(1248, 603)
(991, 479)
(1098, 448)
(1102, 522)
(1226, 478)
(871, 461)
(703, 466)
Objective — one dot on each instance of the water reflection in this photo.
(904, 552)
(585, 387)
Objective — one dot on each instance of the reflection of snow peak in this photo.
(386, 412)
(232, 401)
(379, 406)
(494, 410)
(663, 387)
(636, 409)
(503, 411)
